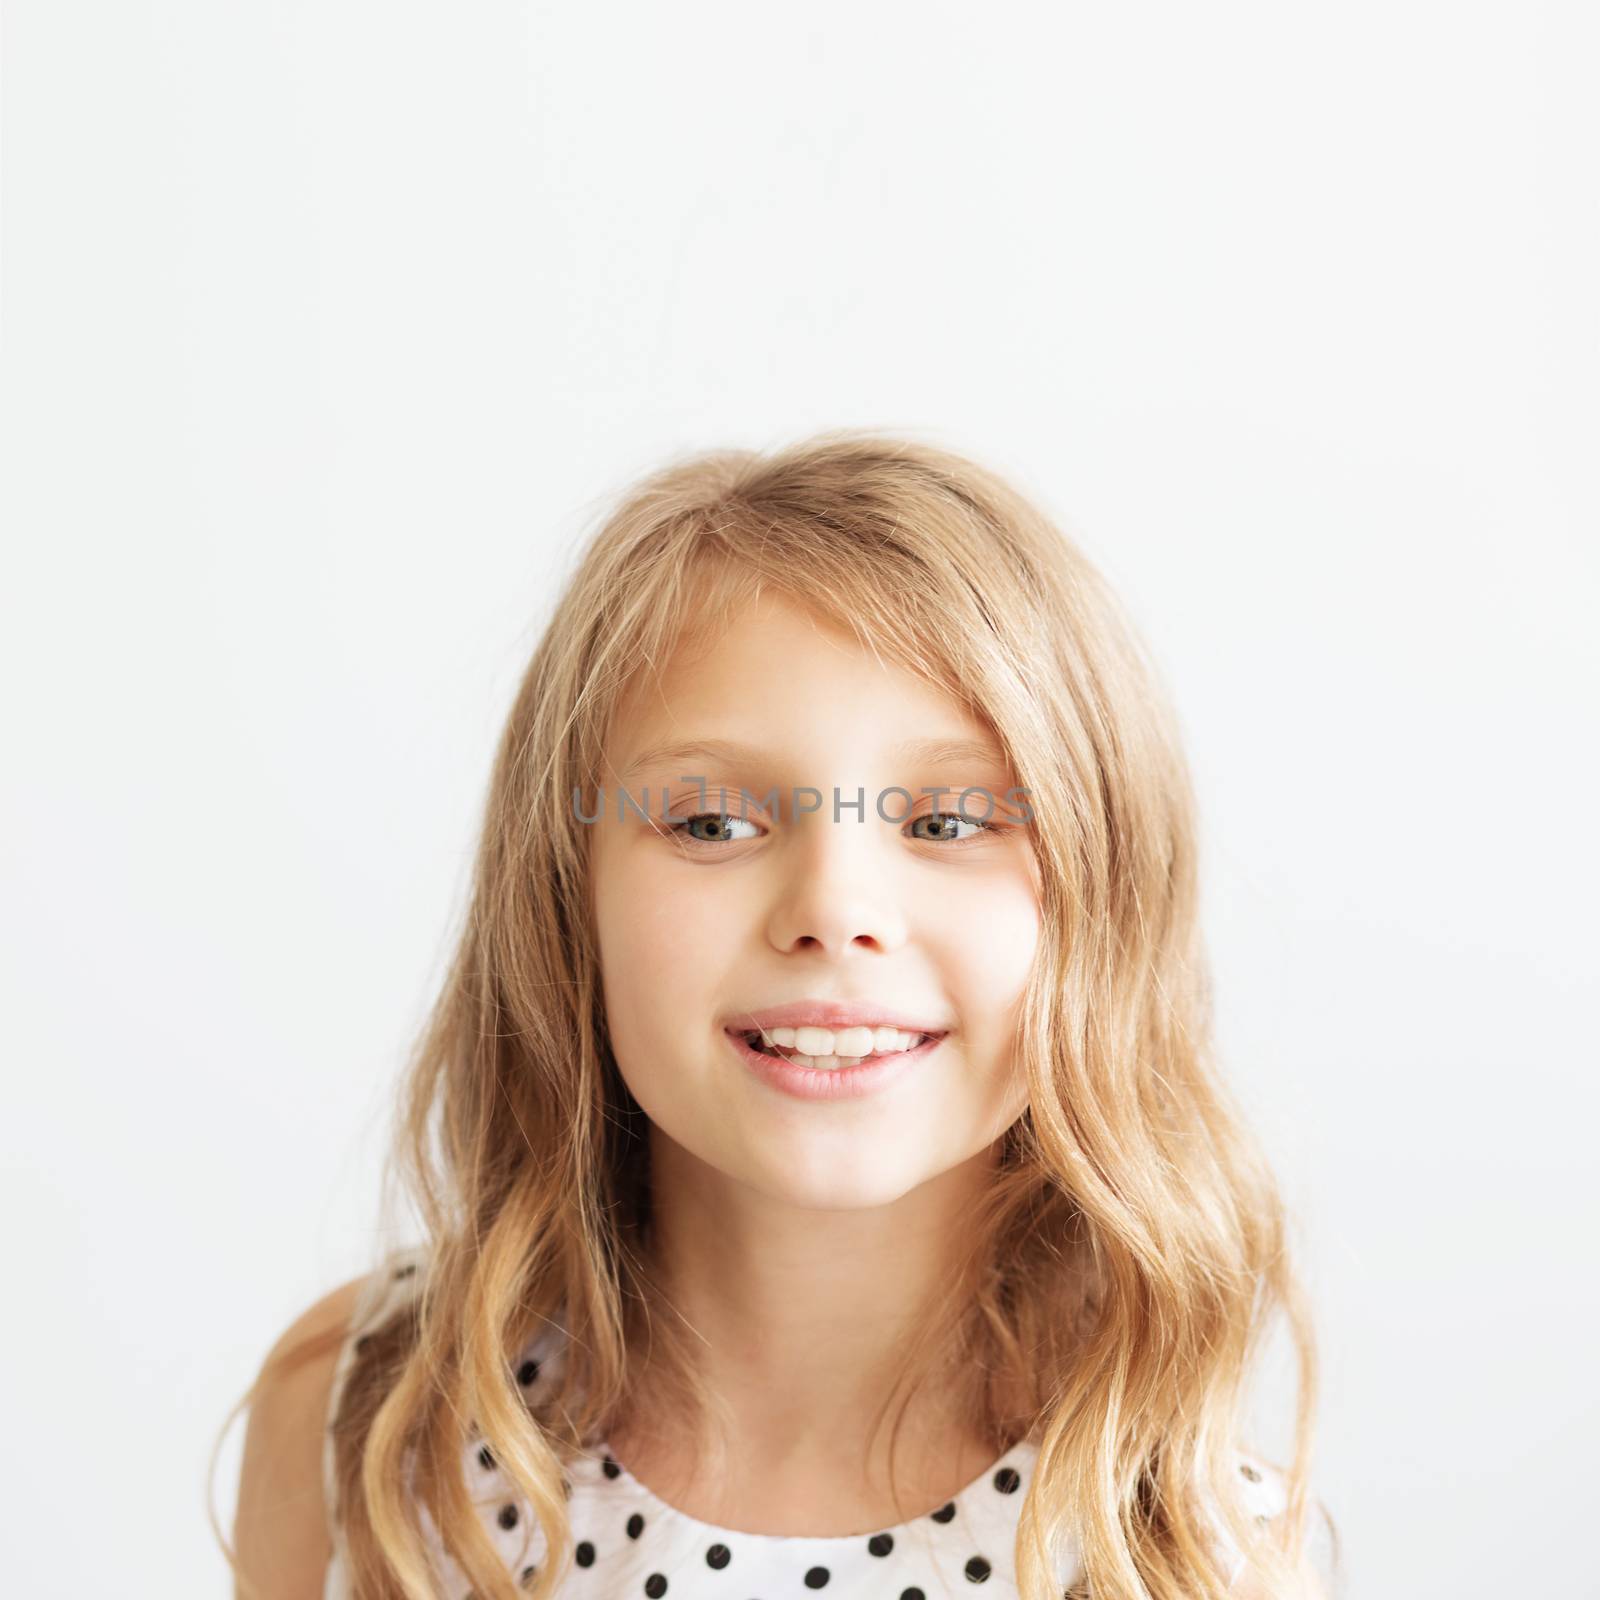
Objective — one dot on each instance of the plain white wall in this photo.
(329, 326)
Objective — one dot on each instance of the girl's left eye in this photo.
(980, 825)
(723, 820)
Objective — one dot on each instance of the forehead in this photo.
(773, 667)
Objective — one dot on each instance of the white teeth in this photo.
(825, 1049)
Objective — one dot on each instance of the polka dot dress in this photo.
(631, 1544)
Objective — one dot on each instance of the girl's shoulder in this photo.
(1263, 1495)
(388, 1290)
(374, 1300)
(280, 1538)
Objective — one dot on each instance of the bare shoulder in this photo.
(280, 1529)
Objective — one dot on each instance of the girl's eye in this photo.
(946, 820)
(720, 824)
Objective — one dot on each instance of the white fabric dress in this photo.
(631, 1544)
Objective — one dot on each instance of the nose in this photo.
(837, 887)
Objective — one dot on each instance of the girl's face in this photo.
(927, 916)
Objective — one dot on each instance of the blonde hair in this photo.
(1131, 1257)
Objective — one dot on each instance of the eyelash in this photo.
(987, 829)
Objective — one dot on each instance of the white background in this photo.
(328, 329)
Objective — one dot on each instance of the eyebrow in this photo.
(927, 752)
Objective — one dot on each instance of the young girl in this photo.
(826, 1178)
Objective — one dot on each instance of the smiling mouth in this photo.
(885, 1042)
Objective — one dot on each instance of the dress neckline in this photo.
(1005, 1475)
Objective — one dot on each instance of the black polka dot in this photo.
(486, 1459)
(817, 1577)
(635, 1525)
(1007, 1479)
(1250, 1472)
(610, 1467)
(880, 1544)
(945, 1512)
(913, 1593)
(405, 1272)
(584, 1555)
(718, 1556)
(508, 1516)
(655, 1586)
(528, 1574)
(527, 1372)
(977, 1570)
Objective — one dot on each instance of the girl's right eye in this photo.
(723, 819)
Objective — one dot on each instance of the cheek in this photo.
(993, 943)
(994, 933)
(658, 952)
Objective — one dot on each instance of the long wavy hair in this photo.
(1131, 1258)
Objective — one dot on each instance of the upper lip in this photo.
(832, 1014)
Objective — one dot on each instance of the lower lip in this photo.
(842, 1083)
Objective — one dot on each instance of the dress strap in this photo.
(386, 1289)
(1265, 1495)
